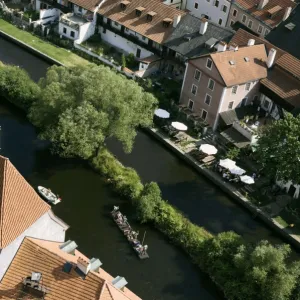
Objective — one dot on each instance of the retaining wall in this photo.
(228, 189)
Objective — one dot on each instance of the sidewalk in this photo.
(227, 188)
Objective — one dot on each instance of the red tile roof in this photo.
(251, 6)
(20, 204)
(46, 257)
(154, 30)
(90, 5)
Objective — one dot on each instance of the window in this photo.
(234, 89)
(224, 8)
(211, 84)
(138, 12)
(267, 31)
(204, 114)
(171, 1)
(231, 23)
(244, 101)
(234, 13)
(247, 86)
(143, 38)
(217, 2)
(80, 9)
(209, 63)
(116, 24)
(255, 98)
(207, 99)
(266, 104)
(191, 104)
(194, 89)
(220, 21)
(138, 52)
(72, 34)
(126, 29)
(260, 29)
(244, 19)
(250, 24)
(149, 18)
(196, 5)
(230, 105)
(208, 0)
(65, 30)
(103, 30)
(197, 75)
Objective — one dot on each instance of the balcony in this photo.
(74, 21)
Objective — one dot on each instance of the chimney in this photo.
(83, 265)
(262, 4)
(233, 46)
(271, 57)
(251, 42)
(68, 247)
(287, 13)
(176, 21)
(221, 47)
(203, 26)
(95, 264)
(119, 282)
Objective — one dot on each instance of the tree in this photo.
(123, 58)
(278, 149)
(79, 131)
(123, 102)
(18, 87)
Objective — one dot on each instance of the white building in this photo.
(23, 213)
(215, 10)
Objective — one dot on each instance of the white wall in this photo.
(61, 27)
(37, 5)
(76, 10)
(173, 3)
(122, 43)
(45, 228)
(47, 13)
(86, 30)
(206, 7)
(287, 185)
(143, 39)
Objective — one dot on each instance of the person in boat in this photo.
(145, 249)
(124, 219)
(116, 208)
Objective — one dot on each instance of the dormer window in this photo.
(167, 22)
(139, 10)
(273, 12)
(124, 4)
(150, 15)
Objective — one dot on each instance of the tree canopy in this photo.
(109, 105)
(278, 148)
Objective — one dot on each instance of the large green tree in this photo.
(278, 148)
(121, 101)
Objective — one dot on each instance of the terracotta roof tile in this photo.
(241, 71)
(153, 30)
(47, 258)
(251, 6)
(20, 204)
(290, 64)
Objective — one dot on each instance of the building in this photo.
(58, 271)
(286, 35)
(23, 213)
(215, 10)
(260, 17)
(224, 80)
(138, 26)
(194, 37)
(281, 88)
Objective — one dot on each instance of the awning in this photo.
(235, 138)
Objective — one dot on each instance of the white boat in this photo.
(48, 195)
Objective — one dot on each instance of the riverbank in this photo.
(44, 49)
(227, 188)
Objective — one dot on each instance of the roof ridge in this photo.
(2, 200)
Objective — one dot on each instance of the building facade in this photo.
(216, 11)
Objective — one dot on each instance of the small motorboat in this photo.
(48, 195)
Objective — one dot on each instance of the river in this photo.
(168, 274)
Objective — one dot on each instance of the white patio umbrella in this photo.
(237, 170)
(247, 179)
(208, 149)
(227, 163)
(179, 126)
(161, 113)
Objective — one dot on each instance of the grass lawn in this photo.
(281, 221)
(62, 55)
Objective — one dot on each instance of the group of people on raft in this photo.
(131, 235)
